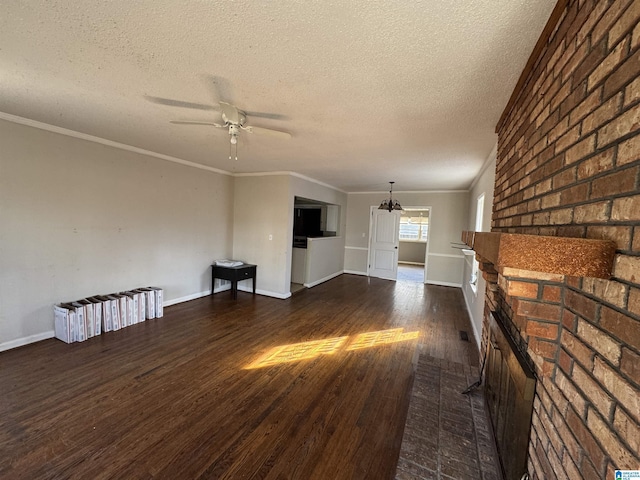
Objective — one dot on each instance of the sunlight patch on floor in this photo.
(298, 351)
(383, 337)
(314, 348)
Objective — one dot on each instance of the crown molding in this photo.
(292, 174)
(380, 192)
(103, 141)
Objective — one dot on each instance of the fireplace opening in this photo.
(510, 388)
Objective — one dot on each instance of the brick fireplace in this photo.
(525, 310)
(568, 170)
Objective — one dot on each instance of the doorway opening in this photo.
(399, 244)
(413, 244)
(312, 219)
(410, 273)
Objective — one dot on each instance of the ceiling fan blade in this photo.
(272, 116)
(181, 122)
(179, 103)
(230, 113)
(268, 131)
(220, 87)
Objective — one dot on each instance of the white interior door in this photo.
(383, 254)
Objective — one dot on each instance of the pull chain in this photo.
(230, 149)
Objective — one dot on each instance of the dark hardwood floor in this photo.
(227, 389)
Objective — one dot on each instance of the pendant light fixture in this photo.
(391, 204)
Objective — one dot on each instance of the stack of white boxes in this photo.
(83, 319)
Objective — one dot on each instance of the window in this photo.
(414, 226)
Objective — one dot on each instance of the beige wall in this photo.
(263, 206)
(302, 187)
(355, 259)
(79, 218)
(483, 184)
(413, 252)
(325, 260)
(262, 229)
(331, 249)
(448, 217)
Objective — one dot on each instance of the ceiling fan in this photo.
(233, 119)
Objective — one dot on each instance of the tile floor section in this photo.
(447, 434)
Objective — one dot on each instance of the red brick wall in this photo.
(569, 165)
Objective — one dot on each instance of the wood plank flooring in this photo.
(174, 397)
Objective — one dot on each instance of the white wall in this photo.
(80, 218)
(483, 183)
(448, 217)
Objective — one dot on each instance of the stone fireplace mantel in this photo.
(576, 257)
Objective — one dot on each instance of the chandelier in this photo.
(391, 204)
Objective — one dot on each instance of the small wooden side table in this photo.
(234, 275)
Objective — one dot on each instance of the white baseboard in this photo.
(355, 272)
(19, 342)
(193, 296)
(443, 284)
(281, 296)
(325, 279)
(473, 324)
(411, 263)
(186, 298)
(266, 293)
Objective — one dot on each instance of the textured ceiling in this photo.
(371, 90)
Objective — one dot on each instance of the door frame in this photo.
(426, 250)
(372, 208)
